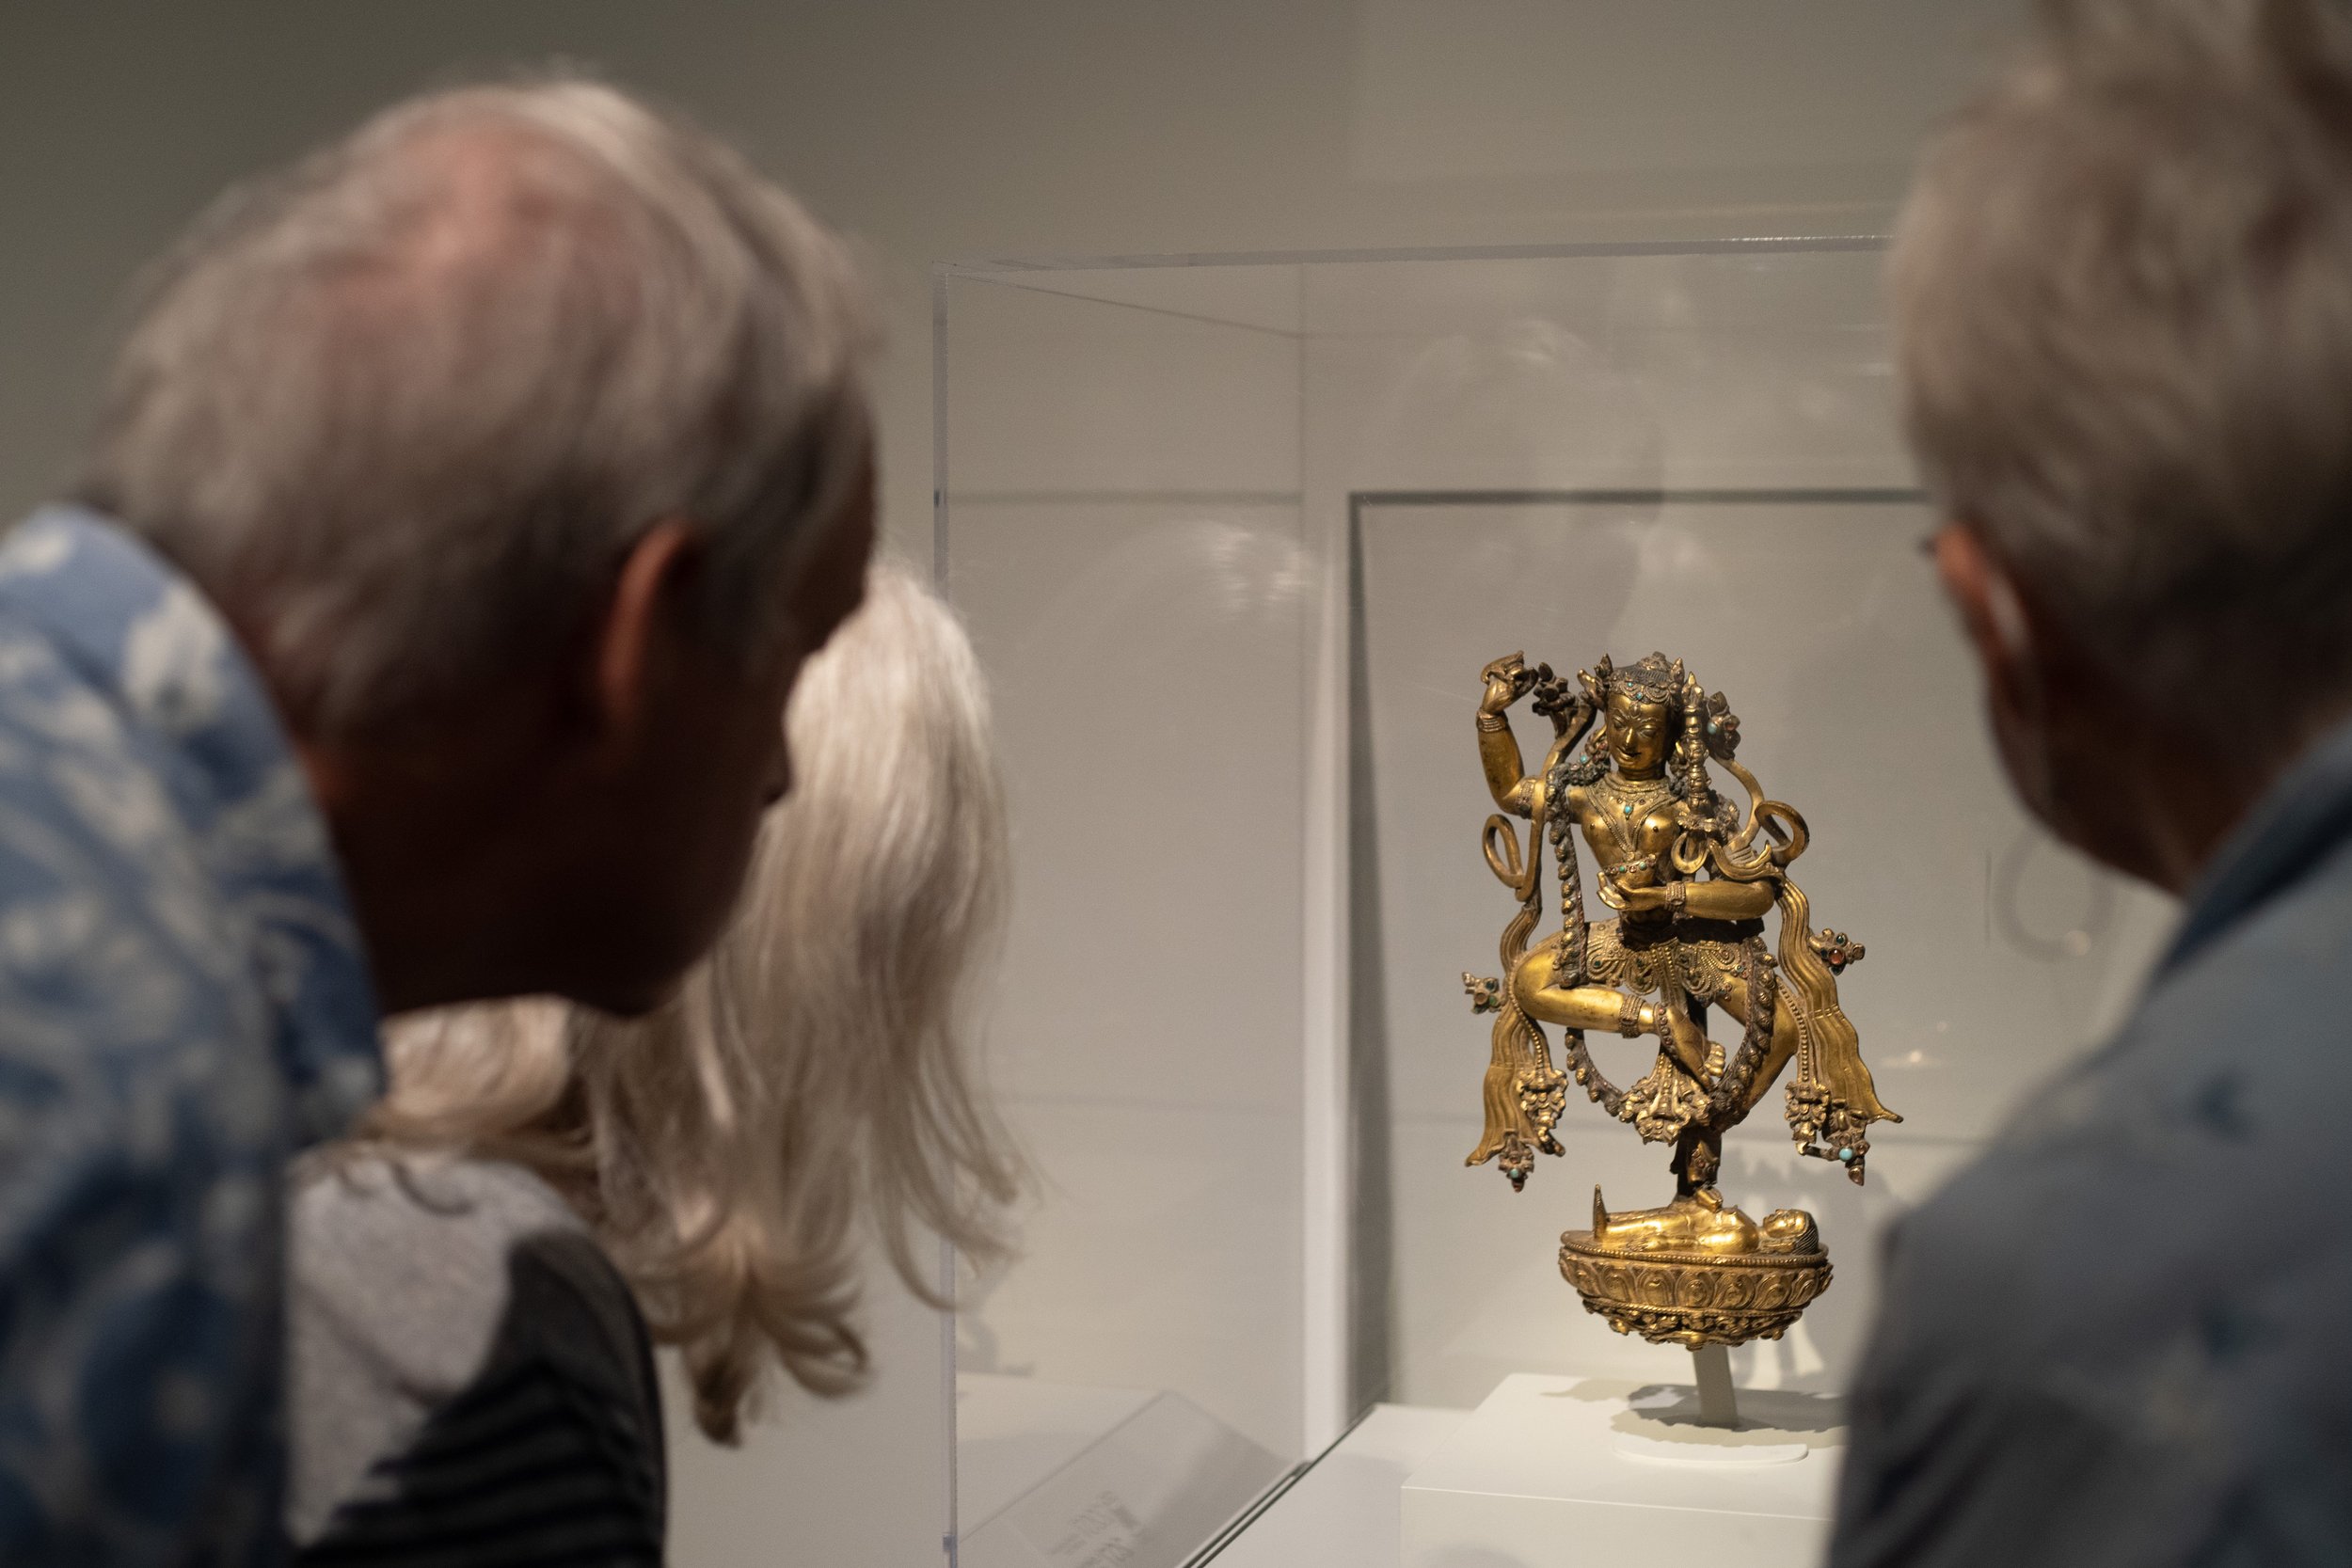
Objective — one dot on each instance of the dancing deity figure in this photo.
(1690, 876)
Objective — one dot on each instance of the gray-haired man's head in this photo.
(521, 435)
(404, 406)
(2123, 292)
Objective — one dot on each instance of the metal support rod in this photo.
(1719, 1403)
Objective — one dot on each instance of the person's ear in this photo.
(636, 647)
(2029, 674)
(1994, 616)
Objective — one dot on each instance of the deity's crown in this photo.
(1652, 678)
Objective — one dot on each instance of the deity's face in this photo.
(1640, 734)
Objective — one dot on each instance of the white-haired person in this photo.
(472, 1271)
(465, 501)
(2123, 312)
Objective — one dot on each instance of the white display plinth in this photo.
(1561, 1470)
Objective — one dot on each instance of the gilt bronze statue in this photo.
(1691, 877)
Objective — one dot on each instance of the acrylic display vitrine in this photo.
(1234, 536)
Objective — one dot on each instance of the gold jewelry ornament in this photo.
(1639, 794)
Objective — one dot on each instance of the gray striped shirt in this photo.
(470, 1379)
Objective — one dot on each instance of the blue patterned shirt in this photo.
(184, 1004)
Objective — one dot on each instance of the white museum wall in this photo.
(942, 129)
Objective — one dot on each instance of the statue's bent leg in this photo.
(1686, 1037)
(1592, 1009)
(1784, 1043)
